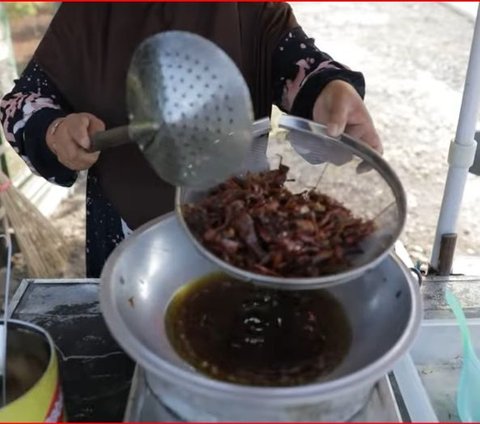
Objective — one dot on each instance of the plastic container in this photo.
(37, 373)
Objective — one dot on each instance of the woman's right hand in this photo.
(69, 139)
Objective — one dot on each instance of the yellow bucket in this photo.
(34, 392)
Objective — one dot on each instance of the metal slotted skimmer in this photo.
(190, 110)
(342, 168)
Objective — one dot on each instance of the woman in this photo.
(75, 86)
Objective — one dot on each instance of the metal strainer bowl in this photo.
(343, 168)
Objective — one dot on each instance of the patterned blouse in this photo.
(300, 71)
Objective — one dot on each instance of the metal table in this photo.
(97, 375)
(429, 375)
(467, 288)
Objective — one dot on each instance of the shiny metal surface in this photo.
(344, 169)
(144, 272)
(146, 406)
(465, 287)
(201, 102)
(429, 375)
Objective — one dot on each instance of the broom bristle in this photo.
(40, 242)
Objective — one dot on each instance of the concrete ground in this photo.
(414, 58)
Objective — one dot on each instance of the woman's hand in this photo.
(341, 109)
(69, 139)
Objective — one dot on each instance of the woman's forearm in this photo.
(301, 71)
(26, 114)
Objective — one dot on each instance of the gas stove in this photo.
(145, 406)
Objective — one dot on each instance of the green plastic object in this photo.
(468, 394)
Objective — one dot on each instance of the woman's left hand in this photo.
(341, 109)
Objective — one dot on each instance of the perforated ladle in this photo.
(190, 110)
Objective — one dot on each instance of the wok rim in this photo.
(203, 385)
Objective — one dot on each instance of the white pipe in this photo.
(462, 150)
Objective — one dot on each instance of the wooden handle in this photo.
(123, 135)
(110, 138)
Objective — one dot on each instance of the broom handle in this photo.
(4, 341)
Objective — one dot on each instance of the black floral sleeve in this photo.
(26, 113)
(301, 71)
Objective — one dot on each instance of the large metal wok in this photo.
(144, 272)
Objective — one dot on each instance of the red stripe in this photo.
(54, 399)
(53, 402)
